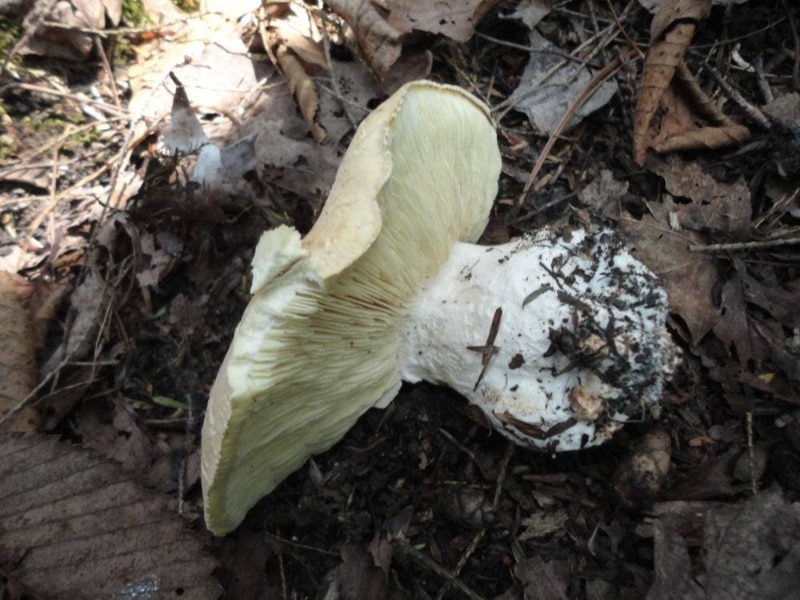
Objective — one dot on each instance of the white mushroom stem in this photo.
(558, 341)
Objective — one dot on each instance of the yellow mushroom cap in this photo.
(318, 344)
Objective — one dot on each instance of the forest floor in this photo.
(124, 280)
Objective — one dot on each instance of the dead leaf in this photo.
(753, 550)
(88, 303)
(667, 84)
(358, 577)
(689, 277)
(709, 480)
(673, 566)
(545, 96)
(531, 13)
(122, 441)
(455, 20)
(72, 525)
(541, 580)
(381, 42)
(17, 355)
(296, 55)
(715, 206)
(65, 42)
(733, 326)
(543, 523)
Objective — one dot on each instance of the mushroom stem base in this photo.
(559, 340)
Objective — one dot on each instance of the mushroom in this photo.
(558, 339)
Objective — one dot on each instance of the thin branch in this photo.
(429, 563)
(738, 246)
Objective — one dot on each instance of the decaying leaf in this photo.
(542, 580)
(749, 551)
(668, 85)
(72, 525)
(288, 37)
(88, 302)
(689, 277)
(544, 96)
(381, 44)
(715, 207)
(17, 355)
(673, 566)
(68, 41)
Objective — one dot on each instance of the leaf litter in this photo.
(422, 501)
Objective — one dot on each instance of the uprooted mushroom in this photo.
(558, 339)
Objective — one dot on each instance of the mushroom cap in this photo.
(318, 344)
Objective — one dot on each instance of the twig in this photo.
(753, 113)
(429, 563)
(744, 245)
(282, 540)
(33, 393)
(530, 49)
(326, 48)
(761, 80)
(451, 438)
(796, 40)
(109, 71)
(30, 24)
(104, 106)
(470, 550)
(501, 477)
(488, 350)
(600, 77)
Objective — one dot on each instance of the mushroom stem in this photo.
(557, 340)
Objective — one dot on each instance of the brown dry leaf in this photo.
(689, 277)
(359, 577)
(667, 84)
(749, 551)
(671, 31)
(88, 304)
(297, 56)
(72, 525)
(673, 566)
(65, 42)
(541, 580)
(184, 134)
(720, 207)
(454, 19)
(753, 550)
(123, 441)
(543, 523)
(17, 354)
(381, 42)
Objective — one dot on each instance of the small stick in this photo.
(744, 245)
(488, 350)
(600, 77)
(753, 113)
(473, 545)
(429, 563)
